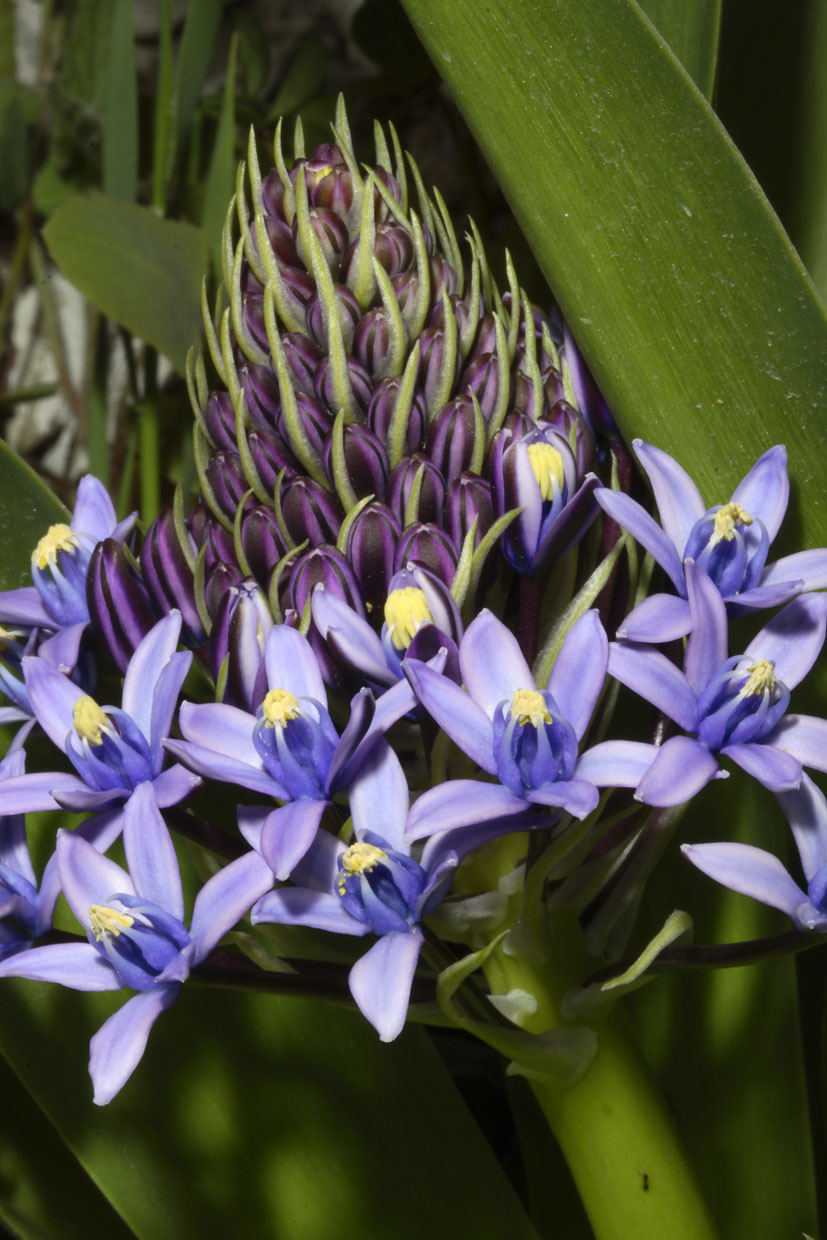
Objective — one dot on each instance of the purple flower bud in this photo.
(310, 511)
(390, 183)
(372, 340)
(380, 411)
(302, 357)
(371, 549)
(417, 599)
(348, 310)
(359, 384)
(252, 318)
(443, 276)
(482, 377)
(272, 194)
(331, 232)
(392, 247)
(280, 236)
(538, 474)
(316, 420)
(328, 179)
(323, 566)
(567, 421)
(431, 363)
(120, 610)
(168, 576)
(366, 462)
(219, 419)
(469, 497)
(270, 456)
(262, 543)
(261, 393)
(226, 478)
(220, 578)
(239, 632)
(218, 542)
(451, 439)
(431, 495)
(430, 547)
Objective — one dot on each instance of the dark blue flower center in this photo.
(742, 703)
(379, 886)
(137, 937)
(295, 739)
(533, 744)
(731, 546)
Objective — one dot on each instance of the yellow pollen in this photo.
(316, 175)
(57, 538)
(727, 519)
(279, 707)
(761, 678)
(89, 720)
(406, 610)
(529, 707)
(360, 858)
(547, 467)
(106, 920)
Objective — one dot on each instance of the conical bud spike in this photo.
(251, 350)
(181, 531)
(201, 386)
(289, 201)
(341, 126)
(411, 513)
(462, 576)
(448, 361)
(192, 386)
(275, 581)
(485, 270)
(425, 205)
(514, 309)
(398, 428)
(298, 139)
(244, 224)
(469, 329)
(329, 302)
(209, 329)
(530, 354)
(503, 380)
(383, 155)
(201, 454)
(253, 169)
(279, 511)
(486, 545)
(345, 145)
(341, 480)
(448, 240)
(393, 206)
(275, 281)
(248, 465)
(360, 277)
(233, 384)
(350, 516)
(238, 547)
(550, 348)
(296, 433)
(416, 320)
(396, 353)
(478, 455)
(227, 244)
(200, 592)
(400, 172)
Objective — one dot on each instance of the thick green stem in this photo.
(612, 1124)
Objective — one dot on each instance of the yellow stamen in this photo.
(726, 521)
(529, 707)
(89, 720)
(57, 538)
(279, 707)
(358, 859)
(406, 610)
(106, 920)
(314, 175)
(761, 678)
(547, 467)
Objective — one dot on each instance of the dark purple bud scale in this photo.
(412, 474)
(365, 462)
(120, 609)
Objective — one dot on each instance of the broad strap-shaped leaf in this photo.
(27, 509)
(142, 271)
(684, 293)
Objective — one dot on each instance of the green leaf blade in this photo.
(27, 509)
(141, 271)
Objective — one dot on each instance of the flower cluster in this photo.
(395, 485)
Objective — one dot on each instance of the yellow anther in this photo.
(106, 920)
(57, 538)
(726, 521)
(89, 720)
(761, 678)
(279, 707)
(406, 610)
(529, 706)
(314, 175)
(547, 467)
(360, 858)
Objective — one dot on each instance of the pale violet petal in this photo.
(682, 767)
(650, 674)
(381, 981)
(288, 833)
(706, 648)
(94, 514)
(776, 770)
(632, 517)
(459, 803)
(679, 501)
(750, 871)
(117, 1048)
(659, 618)
(456, 712)
(87, 877)
(379, 796)
(573, 795)
(793, 638)
(299, 906)
(225, 899)
(53, 698)
(150, 854)
(226, 729)
(765, 491)
(579, 671)
(150, 657)
(493, 666)
(292, 665)
(76, 965)
(804, 736)
(616, 764)
(213, 765)
(806, 812)
(808, 567)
